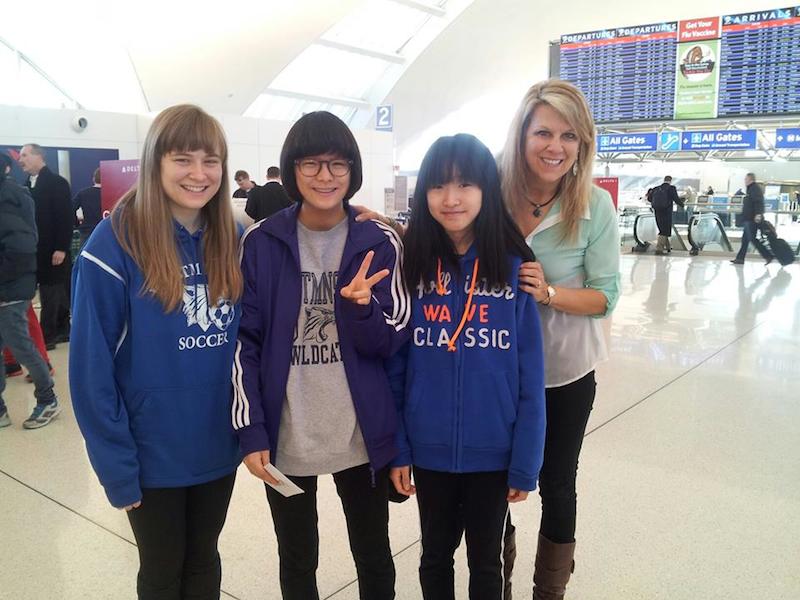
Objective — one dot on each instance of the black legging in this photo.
(177, 530)
(568, 409)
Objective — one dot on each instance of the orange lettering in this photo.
(484, 313)
(431, 312)
(445, 316)
(471, 313)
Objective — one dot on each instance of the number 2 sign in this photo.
(384, 118)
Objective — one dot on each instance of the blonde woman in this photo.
(571, 226)
(154, 329)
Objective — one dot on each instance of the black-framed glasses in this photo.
(311, 167)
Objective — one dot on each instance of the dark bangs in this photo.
(465, 158)
(318, 133)
(461, 157)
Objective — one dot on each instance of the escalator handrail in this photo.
(696, 218)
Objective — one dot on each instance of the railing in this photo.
(645, 233)
(705, 229)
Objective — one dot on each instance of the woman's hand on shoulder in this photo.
(256, 463)
(367, 214)
(401, 478)
(532, 281)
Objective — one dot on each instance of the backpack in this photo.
(659, 198)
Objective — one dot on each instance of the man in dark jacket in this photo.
(242, 179)
(18, 242)
(264, 201)
(90, 203)
(752, 216)
(54, 220)
(662, 198)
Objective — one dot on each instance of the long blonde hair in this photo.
(575, 190)
(143, 222)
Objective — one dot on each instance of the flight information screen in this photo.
(626, 74)
(759, 63)
(736, 65)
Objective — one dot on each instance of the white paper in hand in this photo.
(286, 487)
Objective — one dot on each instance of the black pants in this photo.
(54, 298)
(664, 221)
(366, 510)
(568, 409)
(177, 530)
(450, 503)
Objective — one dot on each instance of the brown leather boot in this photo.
(554, 565)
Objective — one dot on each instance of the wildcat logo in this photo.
(198, 312)
(317, 321)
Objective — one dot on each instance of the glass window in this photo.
(323, 71)
(280, 108)
(379, 25)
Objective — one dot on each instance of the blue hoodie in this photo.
(151, 390)
(480, 407)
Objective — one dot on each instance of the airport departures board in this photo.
(734, 65)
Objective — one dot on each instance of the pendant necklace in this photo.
(537, 208)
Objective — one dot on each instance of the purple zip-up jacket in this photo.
(368, 334)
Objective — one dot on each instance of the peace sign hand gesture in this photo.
(360, 289)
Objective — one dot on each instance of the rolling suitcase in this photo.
(778, 246)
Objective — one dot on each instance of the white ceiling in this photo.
(222, 55)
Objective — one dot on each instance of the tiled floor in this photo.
(689, 485)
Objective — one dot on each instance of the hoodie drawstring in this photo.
(440, 289)
(451, 345)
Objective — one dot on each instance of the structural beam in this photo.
(431, 9)
(353, 102)
(385, 56)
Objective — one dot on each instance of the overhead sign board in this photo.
(787, 137)
(670, 141)
(726, 139)
(627, 142)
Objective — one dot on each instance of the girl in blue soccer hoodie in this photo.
(469, 386)
(324, 305)
(154, 320)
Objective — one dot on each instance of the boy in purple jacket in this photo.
(324, 304)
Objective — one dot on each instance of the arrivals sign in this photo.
(726, 139)
(787, 137)
(627, 142)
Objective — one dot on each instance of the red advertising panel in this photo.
(117, 176)
(697, 30)
(609, 184)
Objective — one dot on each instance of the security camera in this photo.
(79, 123)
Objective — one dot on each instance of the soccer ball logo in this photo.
(199, 312)
(222, 314)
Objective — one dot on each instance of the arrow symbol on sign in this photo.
(780, 138)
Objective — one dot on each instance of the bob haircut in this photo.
(465, 158)
(574, 190)
(317, 133)
(143, 222)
